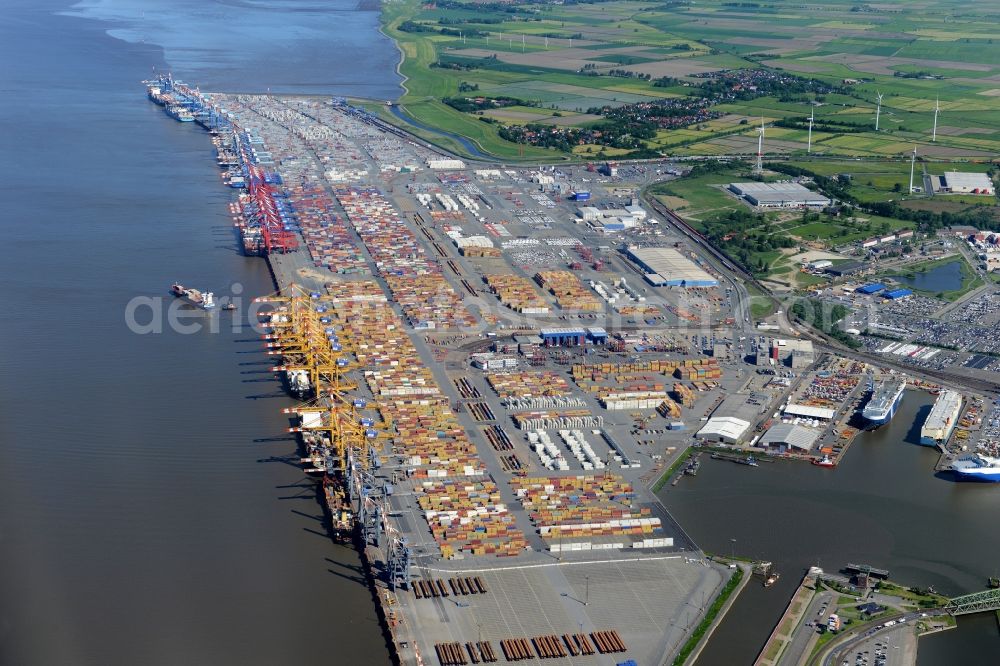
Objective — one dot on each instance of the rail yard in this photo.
(494, 365)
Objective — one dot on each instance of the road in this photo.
(802, 638)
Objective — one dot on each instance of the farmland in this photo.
(571, 63)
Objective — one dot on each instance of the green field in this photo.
(562, 57)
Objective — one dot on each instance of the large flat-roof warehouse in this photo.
(959, 182)
(779, 195)
(666, 267)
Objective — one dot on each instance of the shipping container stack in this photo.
(517, 293)
(460, 502)
(415, 280)
(588, 512)
(529, 384)
(569, 291)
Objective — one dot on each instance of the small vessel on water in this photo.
(977, 467)
(884, 401)
(228, 307)
(825, 461)
(204, 300)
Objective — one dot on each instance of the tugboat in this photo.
(203, 300)
(824, 462)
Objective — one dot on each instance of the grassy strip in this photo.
(681, 459)
(709, 618)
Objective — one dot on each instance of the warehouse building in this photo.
(563, 337)
(725, 429)
(958, 182)
(847, 268)
(444, 163)
(785, 436)
(810, 412)
(871, 288)
(897, 294)
(666, 267)
(779, 195)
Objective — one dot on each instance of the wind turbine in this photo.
(878, 109)
(937, 107)
(913, 162)
(809, 146)
(760, 146)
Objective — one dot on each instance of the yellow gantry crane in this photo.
(303, 332)
(339, 439)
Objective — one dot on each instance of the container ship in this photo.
(182, 102)
(977, 467)
(942, 419)
(885, 399)
(178, 112)
(204, 300)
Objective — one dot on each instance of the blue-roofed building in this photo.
(897, 294)
(871, 288)
(563, 337)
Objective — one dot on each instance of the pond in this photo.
(944, 277)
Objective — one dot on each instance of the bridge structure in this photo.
(977, 602)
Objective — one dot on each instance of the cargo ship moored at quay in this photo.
(885, 399)
(977, 467)
(941, 421)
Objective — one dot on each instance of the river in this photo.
(882, 506)
(148, 511)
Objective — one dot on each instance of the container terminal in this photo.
(503, 511)
(491, 377)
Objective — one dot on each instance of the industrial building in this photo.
(563, 337)
(959, 182)
(847, 268)
(869, 289)
(666, 267)
(810, 412)
(725, 429)
(612, 219)
(779, 195)
(792, 353)
(439, 163)
(897, 294)
(785, 436)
